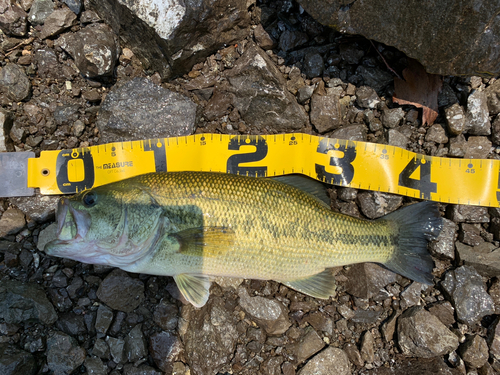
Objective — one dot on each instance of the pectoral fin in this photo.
(194, 288)
(205, 241)
(321, 285)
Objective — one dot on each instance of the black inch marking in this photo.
(344, 163)
(234, 161)
(423, 184)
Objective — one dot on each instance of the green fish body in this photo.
(192, 225)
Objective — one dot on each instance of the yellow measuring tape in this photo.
(360, 165)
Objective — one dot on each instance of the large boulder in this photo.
(449, 37)
(171, 36)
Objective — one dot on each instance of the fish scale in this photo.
(265, 250)
(192, 225)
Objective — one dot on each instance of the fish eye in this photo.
(89, 199)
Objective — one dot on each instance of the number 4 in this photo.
(422, 184)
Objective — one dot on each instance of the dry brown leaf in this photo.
(419, 89)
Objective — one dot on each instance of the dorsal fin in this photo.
(306, 184)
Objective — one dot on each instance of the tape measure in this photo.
(360, 165)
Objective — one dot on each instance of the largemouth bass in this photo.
(192, 225)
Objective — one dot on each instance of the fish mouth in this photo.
(72, 225)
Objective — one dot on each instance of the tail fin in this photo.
(418, 224)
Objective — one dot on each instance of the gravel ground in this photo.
(59, 317)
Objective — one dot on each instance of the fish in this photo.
(198, 225)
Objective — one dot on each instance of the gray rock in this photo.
(376, 204)
(14, 83)
(368, 347)
(66, 114)
(470, 234)
(494, 292)
(306, 347)
(366, 280)
(262, 38)
(6, 122)
(71, 324)
(130, 369)
(15, 361)
(355, 132)
(409, 30)
(389, 326)
(367, 317)
(260, 94)
(325, 112)
(20, 302)
(63, 353)
(455, 119)
(166, 316)
(412, 294)
(346, 312)
(354, 355)
(474, 351)
(139, 109)
(11, 222)
(485, 258)
(351, 53)
(493, 96)
(494, 339)
(291, 39)
(418, 366)
(48, 65)
(116, 349)
(101, 349)
(268, 314)
(165, 348)
(436, 133)
(495, 130)
(392, 117)
(210, 337)
(457, 146)
(94, 48)
(444, 246)
(421, 334)
(39, 11)
(305, 93)
(121, 292)
(468, 294)
(13, 19)
(95, 366)
(135, 347)
(103, 319)
(313, 65)
(46, 235)
(366, 97)
(40, 208)
(477, 115)
(396, 138)
(477, 148)
(467, 214)
(329, 361)
(444, 311)
(374, 77)
(74, 5)
(170, 37)
(346, 193)
(58, 21)
(295, 80)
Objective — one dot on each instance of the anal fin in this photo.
(194, 288)
(321, 285)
